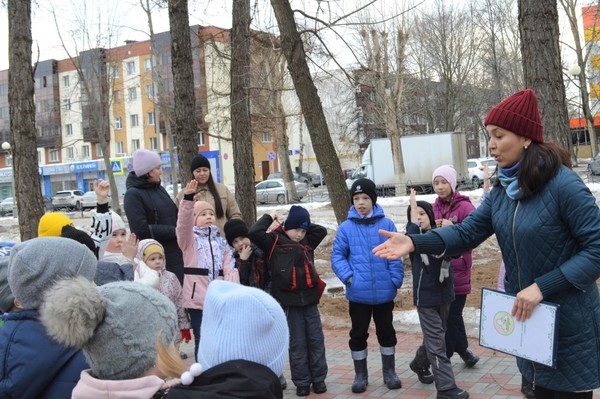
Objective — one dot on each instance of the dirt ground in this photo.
(334, 307)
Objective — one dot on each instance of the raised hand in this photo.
(245, 252)
(486, 178)
(101, 188)
(395, 247)
(131, 247)
(191, 187)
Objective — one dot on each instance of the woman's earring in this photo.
(525, 147)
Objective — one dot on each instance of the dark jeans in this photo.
(360, 315)
(196, 322)
(308, 363)
(456, 335)
(543, 393)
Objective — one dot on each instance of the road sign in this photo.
(116, 166)
(272, 155)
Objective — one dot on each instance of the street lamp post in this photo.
(7, 147)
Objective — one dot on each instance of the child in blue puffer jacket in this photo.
(371, 282)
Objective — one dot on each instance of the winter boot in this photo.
(361, 379)
(527, 388)
(388, 361)
(469, 358)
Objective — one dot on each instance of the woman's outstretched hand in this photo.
(395, 247)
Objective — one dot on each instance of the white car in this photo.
(273, 190)
(476, 165)
(6, 206)
(67, 199)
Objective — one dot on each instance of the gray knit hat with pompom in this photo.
(117, 324)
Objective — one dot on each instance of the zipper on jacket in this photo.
(419, 287)
(193, 290)
(212, 256)
(515, 245)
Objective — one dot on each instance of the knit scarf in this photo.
(509, 180)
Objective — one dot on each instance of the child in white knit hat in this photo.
(243, 349)
(206, 255)
(120, 327)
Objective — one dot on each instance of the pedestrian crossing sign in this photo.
(117, 166)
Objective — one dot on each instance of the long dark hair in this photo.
(539, 164)
(212, 187)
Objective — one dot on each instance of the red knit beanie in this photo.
(519, 114)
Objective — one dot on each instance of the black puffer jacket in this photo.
(151, 213)
(233, 379)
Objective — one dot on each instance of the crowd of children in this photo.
(101, 331)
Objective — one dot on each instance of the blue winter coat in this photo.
(31, 364)
(552, 239)
(374, 280)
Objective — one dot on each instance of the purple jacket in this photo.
(456, 210)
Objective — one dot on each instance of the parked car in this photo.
(273, 190)
(475, 166)
(89, 200)
(67, 199)
(593, 167)
(6, 206)
(297, 177)
(47, 203)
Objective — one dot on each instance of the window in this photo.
(69, 129)
(132, 93)
(119, 147)
(4, 112)
(98, 150)
(86, 151)
(151, 118)
(3, 89)
(66, 81)
(148, 64)
(118, 123)
(9, 160)
(117, 96)
(70, 153)
(153, 143)
(202, 142)
(131, 68)
(266, 137)
(67, 104)
(54, 156)
(115, 71)
(150, 91)
(135, 145)
(134, 120)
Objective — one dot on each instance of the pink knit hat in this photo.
(144, 161)
(447, 172)
(519, 114)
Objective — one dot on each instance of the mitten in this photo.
(186, 336)
(445, 270)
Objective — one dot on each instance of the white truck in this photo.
(421, 153)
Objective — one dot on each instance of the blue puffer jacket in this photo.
(374, 280)
(31, 364)
(552, 239)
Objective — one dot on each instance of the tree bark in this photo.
(28, 193)
(312, 109)
(241, 132)
(183, 83)
(542, 67)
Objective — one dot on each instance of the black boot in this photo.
(388, 361)
(469, 358)
(361, 378)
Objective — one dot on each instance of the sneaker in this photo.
(282, 382)
(469, 358)
(424, 374)
(303, 391)
(319, 387)
(455, 393)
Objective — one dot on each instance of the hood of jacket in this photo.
(233, 379)
(89, 387)
(137, 182)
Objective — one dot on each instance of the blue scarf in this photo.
(509, 180)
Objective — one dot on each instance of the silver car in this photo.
(273, 190)
(6, 206)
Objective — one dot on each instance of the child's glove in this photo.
(445, 270)
(186, 336)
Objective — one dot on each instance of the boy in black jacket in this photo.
(290, 250)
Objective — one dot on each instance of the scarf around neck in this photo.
(509, 180)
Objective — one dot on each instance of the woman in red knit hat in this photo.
(548, 226)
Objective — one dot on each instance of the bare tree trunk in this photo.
(538, 24)
(312, 108)
(28, 194)
(183, 82)
(241, 132)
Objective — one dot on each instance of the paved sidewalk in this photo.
(495, 376)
